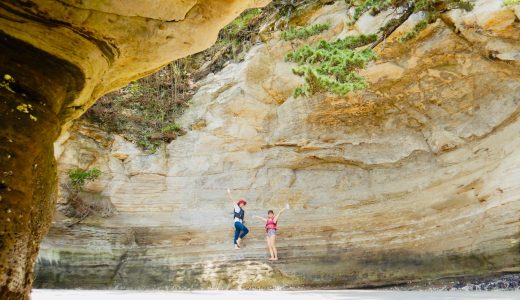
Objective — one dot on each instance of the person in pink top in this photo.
(270, 230)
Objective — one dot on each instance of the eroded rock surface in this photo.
(415, 178)
(57, 58)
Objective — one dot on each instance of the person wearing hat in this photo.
(240, 229)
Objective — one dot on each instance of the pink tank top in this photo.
(270, 224)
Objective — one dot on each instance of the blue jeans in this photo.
(239, 227)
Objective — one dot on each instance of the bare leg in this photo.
(270, 248)
(273, 245)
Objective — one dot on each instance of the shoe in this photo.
(237, 247)
(238, 242)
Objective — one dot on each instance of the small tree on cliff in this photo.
(79, 177)
(333, 66)
(76, 206)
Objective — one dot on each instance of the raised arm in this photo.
(263, 219)
(230, 198)
(278, 215)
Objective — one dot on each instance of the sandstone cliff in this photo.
(414, 179)
(57, 58)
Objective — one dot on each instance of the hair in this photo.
(270, 212)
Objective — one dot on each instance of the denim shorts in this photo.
(271, 232)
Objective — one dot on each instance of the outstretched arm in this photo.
(263, 219)
(230, 198)
(278, 215)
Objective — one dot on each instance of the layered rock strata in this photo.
(414, 179)
(57, 57)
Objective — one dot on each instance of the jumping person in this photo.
(270, 231)
(240, 229)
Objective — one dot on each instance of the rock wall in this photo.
(114, 42)
(57, 58)
(414, 179)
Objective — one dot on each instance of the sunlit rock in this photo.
(415, 178)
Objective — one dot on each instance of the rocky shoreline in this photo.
(505, 282)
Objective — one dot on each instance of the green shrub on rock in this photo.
(414, 32)
(80, 206)
(431, 8)
(79, 177)
(233, 28)
(374, 5)
(304, 32)
(332, 66)
(171, 127)
(511, 2)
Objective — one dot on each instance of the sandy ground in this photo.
(257, 295)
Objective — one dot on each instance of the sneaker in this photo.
(237, 247)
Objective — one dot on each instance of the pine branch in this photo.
(390, 29)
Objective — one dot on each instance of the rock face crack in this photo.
(120, 264)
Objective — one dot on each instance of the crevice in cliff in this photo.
(393, 24)
(314, 160)
(475, 44)
(312, 155)
(122, 261)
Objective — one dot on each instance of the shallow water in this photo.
(257, 295)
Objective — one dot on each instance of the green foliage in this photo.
(428, 6)
(240, 23)
(78, 206)
(374, 5)
(233, 35)
(414, 32)
(432, 9)
(511, 2)
(171, 128)
(332, 66)
(144, 112)
(304, 32)
(147, 144)
(390, 24)
(78, 177)
(437, 6)
(135, 88)
(145, 107)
